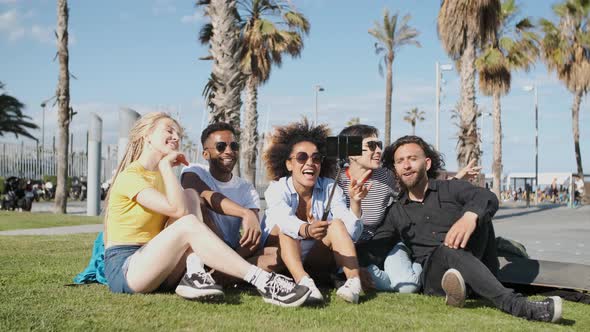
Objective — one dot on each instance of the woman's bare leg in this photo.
(291, 256)
(151, 265)
(339, 241)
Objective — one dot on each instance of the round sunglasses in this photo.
(372, 145)
(303, 157)
(221, 146)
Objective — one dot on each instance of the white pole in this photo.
(437, 142)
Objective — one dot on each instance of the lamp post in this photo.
(530, 88)
(483, 113)
(43, 104)
(317, 90)
(439, 71)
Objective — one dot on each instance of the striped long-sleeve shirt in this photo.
(380, 197)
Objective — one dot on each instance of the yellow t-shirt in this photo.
(127, 220)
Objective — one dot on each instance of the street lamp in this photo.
(317, 90)
(439, 71)
(43, 104)
(530, 88)
(482, 114)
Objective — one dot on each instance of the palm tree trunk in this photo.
(226, 74)
(576, 129)
(413, 129)
(249, 137)
(388, 93)
(63, 100)
(497, 163)
(468, 140)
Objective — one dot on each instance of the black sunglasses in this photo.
(372, 145)
(221, 146)
(303, 157)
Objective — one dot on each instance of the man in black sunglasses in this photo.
(232, 203)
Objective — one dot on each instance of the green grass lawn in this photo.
(35, 269)
(26, 220)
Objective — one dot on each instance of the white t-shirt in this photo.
(238, 190)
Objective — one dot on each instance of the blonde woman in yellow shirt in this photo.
(155, 237)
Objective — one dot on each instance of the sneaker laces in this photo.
(205, 277)
(280, 284)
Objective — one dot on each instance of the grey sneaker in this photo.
(454, 286)
(199, 286)
(547, 310)
(282, 291)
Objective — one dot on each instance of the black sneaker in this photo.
(454, 286)
(199, 286)
(547, 310)
(282, 291)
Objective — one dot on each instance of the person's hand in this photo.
(357, 190)
(469, 172)
(317, 229)
(173, 159)
(459, 234)
(366, 280)
(250, 230)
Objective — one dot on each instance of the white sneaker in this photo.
(315, 296)
(351, 290)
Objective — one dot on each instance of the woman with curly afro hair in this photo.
(296, 199)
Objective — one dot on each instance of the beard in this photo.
(220, 166)
(409, 184)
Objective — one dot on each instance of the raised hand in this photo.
(469, 172)
(174, 158)
(357, 188)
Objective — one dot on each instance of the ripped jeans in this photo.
(399, 273)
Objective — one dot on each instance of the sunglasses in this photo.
(221, 146)
(372, 145)
(303, 157)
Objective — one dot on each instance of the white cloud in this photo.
(16, 26)
(194, 18)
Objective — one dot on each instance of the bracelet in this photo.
(306, 230)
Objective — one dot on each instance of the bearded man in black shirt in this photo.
(448, 226)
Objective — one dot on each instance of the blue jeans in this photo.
(400, 274)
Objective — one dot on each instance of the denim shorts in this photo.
(116, 260)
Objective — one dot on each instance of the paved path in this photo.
(95, 228)
(548, 232)
(554, 233)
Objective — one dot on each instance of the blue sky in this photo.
(144, 55)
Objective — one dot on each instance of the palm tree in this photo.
(63, 101)
(565, 48)
(462, 26)
(414, 116)
(270, 29)
(353, 121)
(226, 82)
(514, 47)
(391, 35)
(12, 119)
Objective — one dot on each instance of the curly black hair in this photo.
(436, 159)
(281, 144)
(217, 126)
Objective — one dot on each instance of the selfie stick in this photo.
(328, 206)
